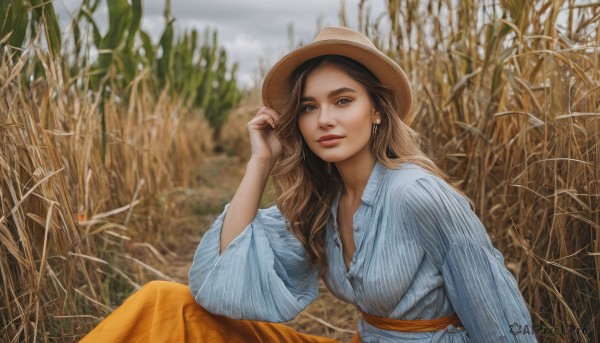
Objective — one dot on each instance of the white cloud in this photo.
(243, 45)
(249, 30)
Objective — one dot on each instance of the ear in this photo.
(376, 117)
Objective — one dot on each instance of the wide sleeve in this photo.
(264, 274)
(482, 291)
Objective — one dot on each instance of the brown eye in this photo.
(308, 108)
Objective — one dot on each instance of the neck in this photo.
(355, 174)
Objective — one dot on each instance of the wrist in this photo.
(262, 165)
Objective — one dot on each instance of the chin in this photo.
(333, 157)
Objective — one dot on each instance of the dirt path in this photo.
(219, 178)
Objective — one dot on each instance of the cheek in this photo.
(365, 133)
(361, 126)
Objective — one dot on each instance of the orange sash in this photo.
(419, 325)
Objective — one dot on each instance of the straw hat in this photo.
(343, 42)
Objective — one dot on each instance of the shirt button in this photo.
(351, 277)
(356, 228)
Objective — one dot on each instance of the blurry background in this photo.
(122, 134)
(249, 31)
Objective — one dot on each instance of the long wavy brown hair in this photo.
(305, 185)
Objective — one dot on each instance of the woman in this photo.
(358, 205)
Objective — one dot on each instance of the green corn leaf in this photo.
(149, 51)
(87, 14)
(53, 35)
(42, 12)
(165, 63)
(134, 24)
(93, 6)
(194, 40)
(119, 15)
(76, 38)
(13, 20)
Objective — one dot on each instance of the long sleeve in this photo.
(264, 274)
(482, 291)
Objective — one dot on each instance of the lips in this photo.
(328, 137)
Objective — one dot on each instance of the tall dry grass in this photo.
(77, 235)
(508, 99)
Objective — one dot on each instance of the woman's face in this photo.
(336, 115)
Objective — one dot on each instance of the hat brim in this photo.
(276, 84)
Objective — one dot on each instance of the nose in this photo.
(326, 118)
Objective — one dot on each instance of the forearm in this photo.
(245, 202)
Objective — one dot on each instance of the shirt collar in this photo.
(368, 196)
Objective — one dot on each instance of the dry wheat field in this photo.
(115, 148)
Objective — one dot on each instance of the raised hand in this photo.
(265, 145)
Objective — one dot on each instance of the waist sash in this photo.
(418, 325)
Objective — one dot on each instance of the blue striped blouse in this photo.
(421, 253)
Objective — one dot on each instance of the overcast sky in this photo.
(248, 29)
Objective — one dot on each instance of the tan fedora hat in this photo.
(343, 42)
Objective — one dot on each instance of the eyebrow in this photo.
(331, 94)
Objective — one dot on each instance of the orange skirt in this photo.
(166, 312)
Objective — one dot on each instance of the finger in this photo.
(267, 116)
(272, 113)
(262, 119)
(259, 111)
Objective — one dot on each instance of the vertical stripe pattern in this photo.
(421, 253)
